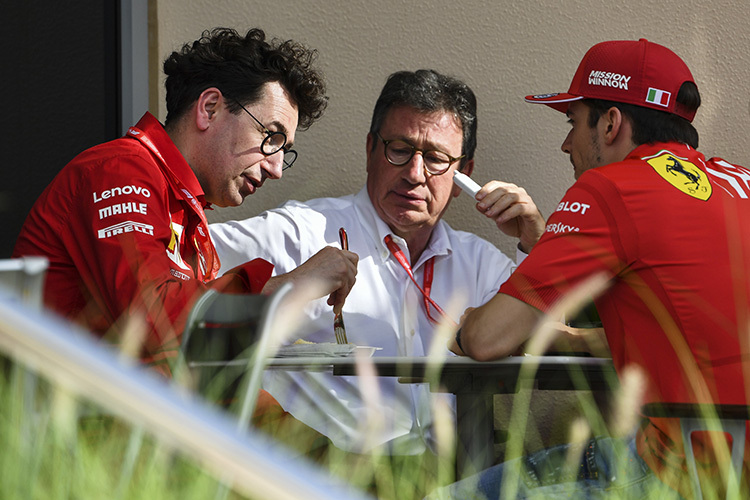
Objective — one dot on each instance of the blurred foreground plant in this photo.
(57, 447)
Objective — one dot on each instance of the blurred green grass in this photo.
(56, 447)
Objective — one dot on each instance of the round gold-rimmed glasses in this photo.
(399, 153)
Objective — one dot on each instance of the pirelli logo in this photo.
(125, 227)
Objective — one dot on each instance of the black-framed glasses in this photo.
(273, 142)
(399, 153)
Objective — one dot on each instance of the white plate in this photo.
(326, 350)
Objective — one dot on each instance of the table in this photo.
(474, 383)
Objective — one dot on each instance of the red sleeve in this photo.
(589, 232)
(139, 258)
(249, 277)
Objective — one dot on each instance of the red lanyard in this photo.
(429, 268)
(207, 259)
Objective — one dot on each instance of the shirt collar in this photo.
(175, 162)
(377, 229)
(677, 148)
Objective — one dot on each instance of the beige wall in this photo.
(504, 50)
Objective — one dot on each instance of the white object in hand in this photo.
(466, 183)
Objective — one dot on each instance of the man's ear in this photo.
(369, 144)
(206, 107)
(612, 124)
(467, 169)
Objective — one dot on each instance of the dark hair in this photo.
(652, 125)
(239, 67)
(427, 90)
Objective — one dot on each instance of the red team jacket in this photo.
(124, 229)
(670, 228)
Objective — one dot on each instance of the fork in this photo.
(338, 320)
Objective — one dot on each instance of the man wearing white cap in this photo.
(665, 226)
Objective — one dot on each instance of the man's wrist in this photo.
(458, 340)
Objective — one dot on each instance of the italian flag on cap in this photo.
(658, 97)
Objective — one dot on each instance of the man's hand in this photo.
(332, 269)
(513, 210)
(588, 340)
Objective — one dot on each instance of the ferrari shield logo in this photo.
(682, 174)
(173, 250)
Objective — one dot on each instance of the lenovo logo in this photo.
(119, 191)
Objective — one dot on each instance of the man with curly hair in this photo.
(123, 224)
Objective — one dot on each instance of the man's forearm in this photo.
(497, 329)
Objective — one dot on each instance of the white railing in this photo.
(76, 361)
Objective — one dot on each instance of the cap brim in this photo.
(557, 101)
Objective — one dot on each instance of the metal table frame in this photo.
(474, 384)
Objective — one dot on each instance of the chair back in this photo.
(225, 344)
(694, 417)
(221, 326)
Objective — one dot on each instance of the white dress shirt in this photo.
(384, 309)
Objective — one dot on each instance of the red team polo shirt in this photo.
(670, 229)
(124, 229)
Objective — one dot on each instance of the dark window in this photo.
(60, 83)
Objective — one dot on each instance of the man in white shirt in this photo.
(423, 129)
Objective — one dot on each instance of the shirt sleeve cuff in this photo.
(520, 255)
